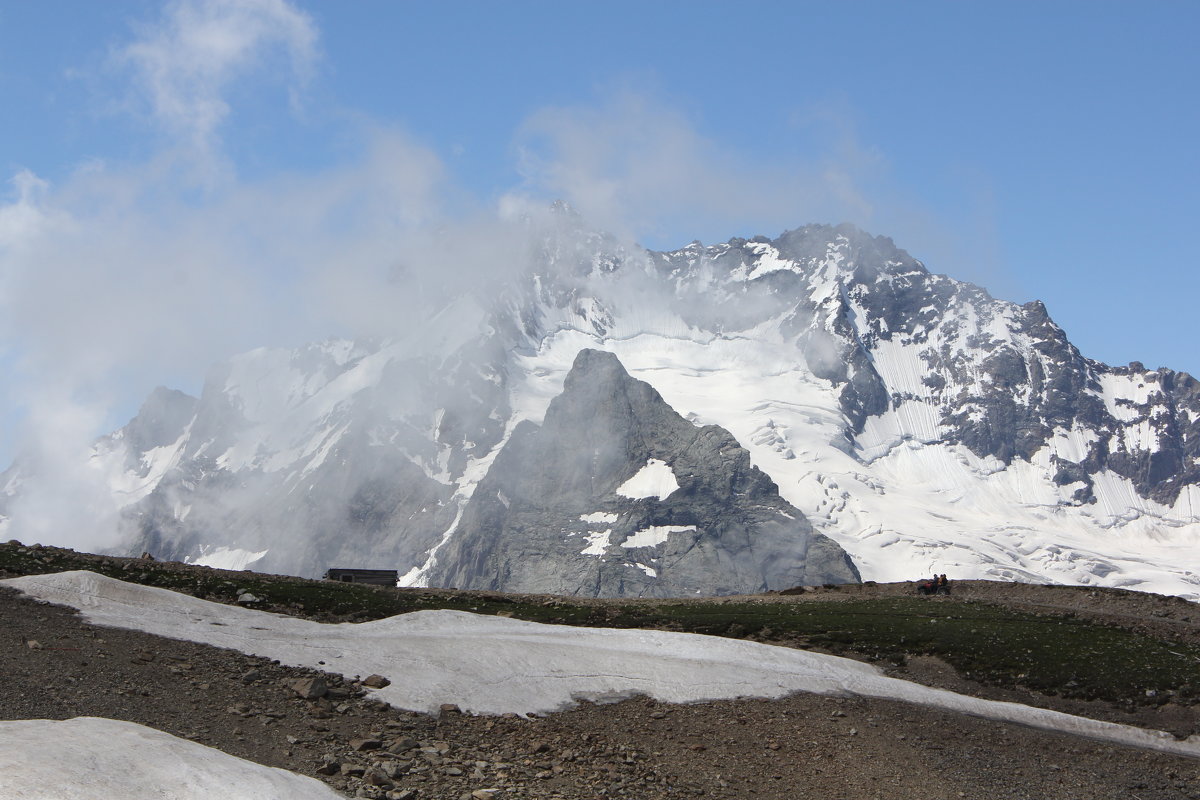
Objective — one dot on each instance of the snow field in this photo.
(495, 665)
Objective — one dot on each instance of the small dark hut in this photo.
(375, 577)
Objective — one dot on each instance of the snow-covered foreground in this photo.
(88, 757)
(496, 665)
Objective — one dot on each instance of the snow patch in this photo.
(105, 758)
(230, 558)
(655, 535)
(597, 543)
(1120, 393)
(419, 576)
(768, 260)
(656, 479)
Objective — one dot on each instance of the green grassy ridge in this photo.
(1054, 654)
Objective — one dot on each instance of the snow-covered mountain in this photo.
(914, 420)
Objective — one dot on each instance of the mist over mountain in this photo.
(904, 418)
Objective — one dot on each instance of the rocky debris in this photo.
(375, 682)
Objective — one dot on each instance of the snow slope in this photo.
(88, 757)
(496, 665)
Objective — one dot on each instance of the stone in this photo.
(376, 777)
(245, 599)
(403, 744)
(376, 681)
(365, 744)
(310, 688)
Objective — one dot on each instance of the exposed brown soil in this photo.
(800, 747)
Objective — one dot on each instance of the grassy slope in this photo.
(1052, 653)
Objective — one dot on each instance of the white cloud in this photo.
(120, 279)
(184, 65)
(638, 167)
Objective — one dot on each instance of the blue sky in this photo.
(185, 180)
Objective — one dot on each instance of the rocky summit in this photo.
(914, 420)
(616, 494)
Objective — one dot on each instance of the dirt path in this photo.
(800, 747)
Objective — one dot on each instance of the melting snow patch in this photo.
(599, 518)
(656, 479)
(95, 757)
(496, 665)
(655, 535)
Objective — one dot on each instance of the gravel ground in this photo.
(800, 747)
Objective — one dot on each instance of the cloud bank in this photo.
(125, 275)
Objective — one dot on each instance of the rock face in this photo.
(616, 494)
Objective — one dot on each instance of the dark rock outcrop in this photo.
(549, 517)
